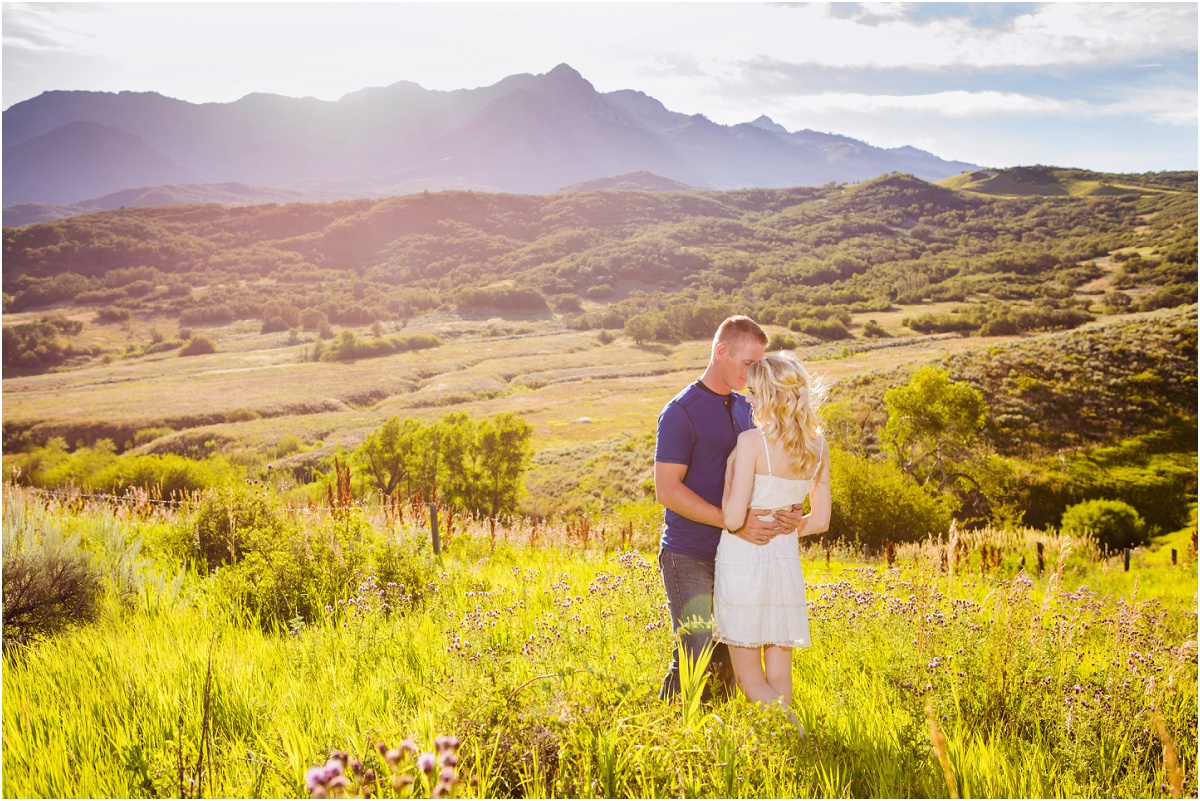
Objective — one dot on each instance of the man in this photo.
(697, 431)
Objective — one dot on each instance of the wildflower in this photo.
(426, 762)
(401, 781)
(450, 759)
(392, 755)
(448, 776)
(447, 742)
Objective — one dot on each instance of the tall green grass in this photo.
(546, 660)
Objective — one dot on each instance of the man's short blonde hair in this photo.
(739, 329)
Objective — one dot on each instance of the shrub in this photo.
(606, 337)
(875, 501)
(48, 586)
(566, 302)
(270, 326)
(781, 342)
(1169, 297)
(332, 568)
(198, 345)
(940, 323)
(1114, 524)
(114, 314)
(232, 522)
(42, 344)
(311, 319)
(830, 329)
(874, 330)
(415, 342)
(1000, 327)
(503, 297)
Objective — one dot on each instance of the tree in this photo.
(504, 453)
(642, 328)
(458, 476)
(932, 424)
(387, 454)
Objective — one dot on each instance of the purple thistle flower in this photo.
(450, 759)
(426, 762)
(393, 756)
(447, 742)
(383, 749)
(448, 776)
(401, 781)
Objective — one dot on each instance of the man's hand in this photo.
(760, 532)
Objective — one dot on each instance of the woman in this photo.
(758, 606)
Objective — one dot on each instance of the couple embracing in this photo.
(733, 472)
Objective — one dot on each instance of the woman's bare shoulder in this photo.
(749, 437)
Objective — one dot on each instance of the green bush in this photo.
(830, 329)
(781, 342)
(1114, 524)
(503, 297)
(114, 314)
(197, 346)
(234, 521)
(166, 475)
(415, 342)
(874, 330)
(272, 325)
(341, 567)
(874, 502)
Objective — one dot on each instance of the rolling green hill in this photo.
(1053, 181)
(289, 332)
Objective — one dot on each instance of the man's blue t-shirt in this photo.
(699, 428)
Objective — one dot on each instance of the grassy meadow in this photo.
(951, 672)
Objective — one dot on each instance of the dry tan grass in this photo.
(552, 376)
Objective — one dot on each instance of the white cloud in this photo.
(1052, 34)
(1169, 107)
(944, 104)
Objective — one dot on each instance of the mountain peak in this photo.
(768, 124)
(565, 71)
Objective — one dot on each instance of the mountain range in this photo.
(528, 134)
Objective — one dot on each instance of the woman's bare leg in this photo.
(778, 671)
(751, 678)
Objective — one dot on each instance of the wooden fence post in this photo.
(1174, 557)
(433, 528)
(1126, 560)
(1041, 559)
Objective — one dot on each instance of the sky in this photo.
(1102, 86)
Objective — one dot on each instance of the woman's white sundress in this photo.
(758, 590)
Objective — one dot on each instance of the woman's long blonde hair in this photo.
(785, 408)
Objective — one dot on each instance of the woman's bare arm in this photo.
(739, 482)
(819, 499)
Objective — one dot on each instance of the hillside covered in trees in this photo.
(797, 256)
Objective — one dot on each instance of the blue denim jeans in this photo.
(689, 585)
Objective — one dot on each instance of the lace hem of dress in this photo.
(791, 644)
